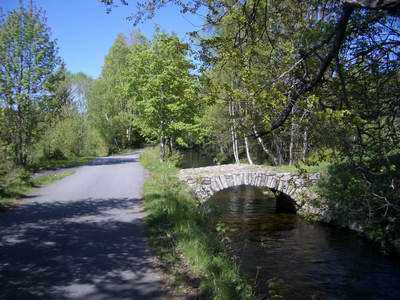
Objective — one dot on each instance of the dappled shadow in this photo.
(86, 249)
(112, 160)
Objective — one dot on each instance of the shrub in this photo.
(70, 137)
(366, 194)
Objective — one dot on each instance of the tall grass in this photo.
(181, 235)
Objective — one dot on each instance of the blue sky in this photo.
(85, 32)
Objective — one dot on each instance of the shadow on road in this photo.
(112, 160)
(86, 249)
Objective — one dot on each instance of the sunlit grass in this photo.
(181, 235)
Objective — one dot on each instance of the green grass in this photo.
(321, 167)
(61, 163)
(182, 237)
(20, 183)
(20, 188)
(48, 179)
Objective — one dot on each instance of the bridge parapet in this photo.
(205, 182)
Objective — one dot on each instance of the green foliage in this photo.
(321, 167)
(110, 108)
(48, 179)
(21, 185)
(28, 75)
(215, 130)
(366, 196)
(72, 136)
(163, 90)
(179, 228)
(9, 173)
(51, 164)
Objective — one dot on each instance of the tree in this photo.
(80, 84)
(29, 71)
(163, 90)
(331, 25)
(109, 106)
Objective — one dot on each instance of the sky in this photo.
(85, 32)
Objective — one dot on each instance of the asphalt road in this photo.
(80, 238)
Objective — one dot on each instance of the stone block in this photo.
(206, 181)
(229, 180)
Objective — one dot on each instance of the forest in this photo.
(298, 84)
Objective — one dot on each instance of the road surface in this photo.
(80, 238)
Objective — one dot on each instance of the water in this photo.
(313, 260)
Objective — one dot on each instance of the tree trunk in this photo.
(170, 146)
(246, 142)
(233, 134)
(128, 135)
(291, 144)
(305, 143)
(236, 146)
(162, 149)
(264, 147)
(278, 145)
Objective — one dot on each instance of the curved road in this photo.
(80, 238)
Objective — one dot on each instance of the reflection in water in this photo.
(313, 260)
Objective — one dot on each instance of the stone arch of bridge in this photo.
(283, 202)
(293, 187)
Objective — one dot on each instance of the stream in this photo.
(310, 261)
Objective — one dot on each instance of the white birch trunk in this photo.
(264, 147)
(162, 149)
(233, 134)
(246, 142)
(291, 145)
(305, 143)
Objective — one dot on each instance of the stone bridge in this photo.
(205, 182)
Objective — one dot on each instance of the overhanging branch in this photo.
(340, 34)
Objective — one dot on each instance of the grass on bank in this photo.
(70, 162)
(182, 237)
(21, 187)
(322, 167)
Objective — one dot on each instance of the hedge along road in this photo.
(80, 238)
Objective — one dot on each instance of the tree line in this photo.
(146, 93)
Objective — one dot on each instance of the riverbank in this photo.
(189, 250)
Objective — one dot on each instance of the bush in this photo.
(367, 195)
(175, 159)
(70, 137)
(7, 170)
(13, 180)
